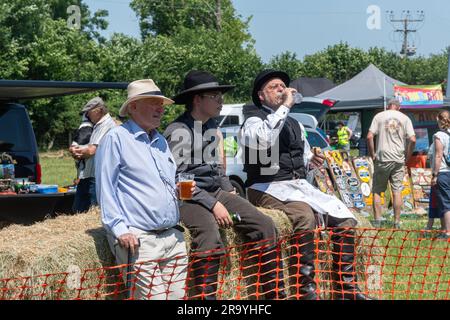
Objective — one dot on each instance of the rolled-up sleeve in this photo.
(107, 165)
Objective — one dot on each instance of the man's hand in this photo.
(129, 241)
(72, 151)
(371, 145)
(317, 160)
(288, 97)
(78, 153)
(222, 216)
(192, 188)
(434, 181)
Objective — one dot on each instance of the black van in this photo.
(18, 140)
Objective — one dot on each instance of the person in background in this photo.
(97, 112)
(195, 143)
(394, 131)
(343, 134)
(441, 171)
(81, 138)
(136, 190)
(432, 208)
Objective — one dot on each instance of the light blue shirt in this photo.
(135, 180)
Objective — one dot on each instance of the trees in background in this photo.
(176, 37)
(341, 62)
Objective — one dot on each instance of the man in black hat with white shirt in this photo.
(277, 158)
(194, 140)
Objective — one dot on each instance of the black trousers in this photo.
(254, 226)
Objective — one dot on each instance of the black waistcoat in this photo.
(290, 146)
(207, 174)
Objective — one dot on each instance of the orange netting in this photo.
(386, 264)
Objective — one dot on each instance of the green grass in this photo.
(414, 264)
(57, 170)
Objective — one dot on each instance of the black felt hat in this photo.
(197, 82)
(265, 76)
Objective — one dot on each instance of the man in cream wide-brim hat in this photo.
(140, 89)
(136, 191)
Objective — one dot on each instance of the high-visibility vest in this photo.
(230, 146)
(343, 136)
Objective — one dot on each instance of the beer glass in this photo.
(186, 180)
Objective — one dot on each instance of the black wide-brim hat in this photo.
(265, 76)
(197, 82)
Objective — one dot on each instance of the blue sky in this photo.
(305, 27)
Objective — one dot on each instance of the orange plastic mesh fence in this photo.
(386, 264)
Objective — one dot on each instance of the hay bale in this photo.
(53, 246)
(78, 242)
(235, 282)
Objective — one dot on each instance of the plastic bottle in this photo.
(298, 98)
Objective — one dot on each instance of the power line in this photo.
(405, 29)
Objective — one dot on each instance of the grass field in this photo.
(413, 264)
(57, 168)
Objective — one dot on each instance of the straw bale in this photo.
(57, 245)
(54, 246)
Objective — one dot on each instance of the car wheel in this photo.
(239, 189)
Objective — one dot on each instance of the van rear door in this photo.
(17, 139)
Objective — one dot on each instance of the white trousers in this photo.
(159, 267)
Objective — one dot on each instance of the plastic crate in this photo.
(45, 188)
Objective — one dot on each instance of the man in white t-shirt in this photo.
(395, 135)
(97, 113)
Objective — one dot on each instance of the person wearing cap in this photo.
(277, 157)
(137, 194)
(194, 139)
(394, 131)
(344, 134)
(96, 112)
